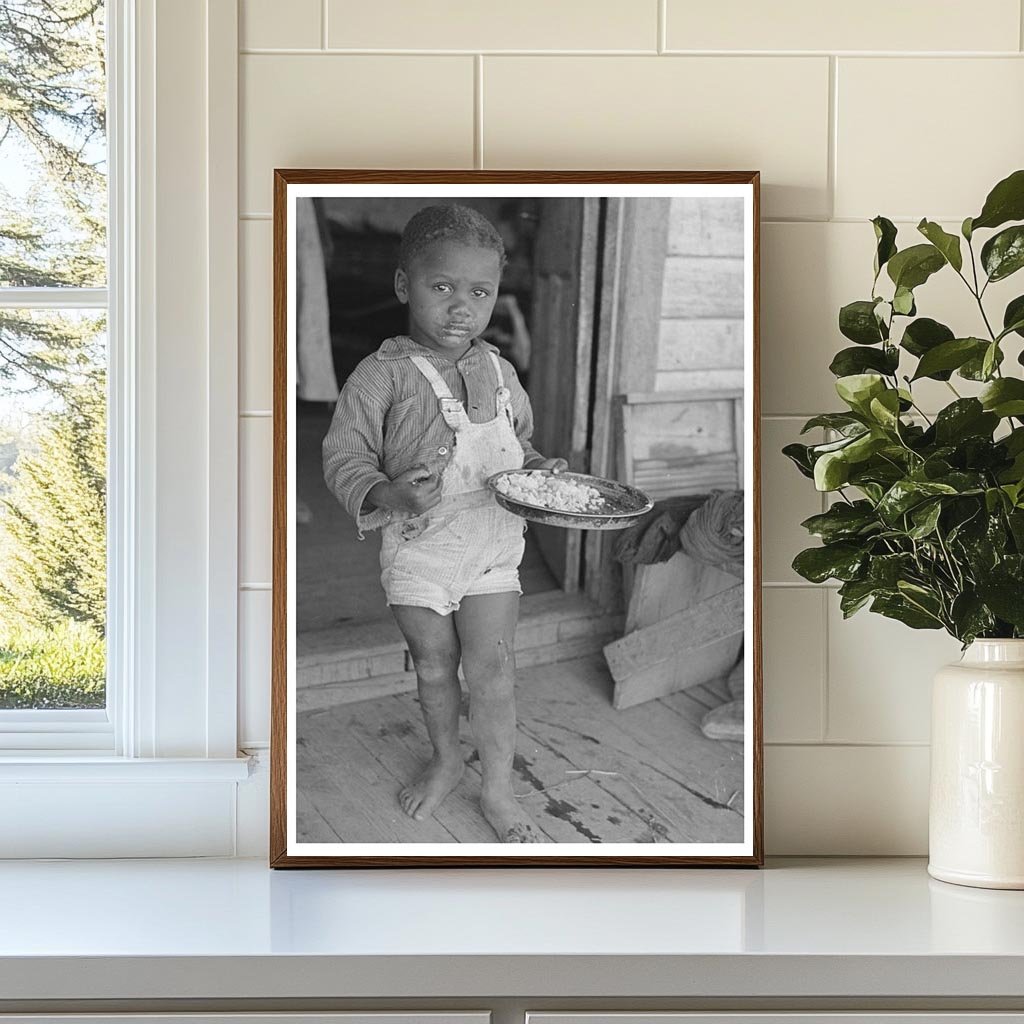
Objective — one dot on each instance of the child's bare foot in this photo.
(508, 819)
(426, 792)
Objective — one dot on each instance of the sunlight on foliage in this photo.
(53, 207)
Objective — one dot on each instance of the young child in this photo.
(419, 427)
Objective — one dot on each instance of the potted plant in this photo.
(927, 521)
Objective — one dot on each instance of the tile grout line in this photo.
(663, 25)
(825, 714)
(851, 744)
(323, 24)
(833, 134)
(478, 111)
(353, 51)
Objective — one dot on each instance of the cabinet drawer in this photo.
(934, 1017)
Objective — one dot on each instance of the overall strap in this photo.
(433, 377)
(497, 368)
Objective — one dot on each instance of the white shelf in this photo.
(233, 929)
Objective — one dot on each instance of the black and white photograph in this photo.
(516, 559)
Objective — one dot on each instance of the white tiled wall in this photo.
(909, 110)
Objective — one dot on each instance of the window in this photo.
(53, 371)
(168, 289)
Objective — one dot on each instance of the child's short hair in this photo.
(452, 221)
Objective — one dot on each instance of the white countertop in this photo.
(234, 928)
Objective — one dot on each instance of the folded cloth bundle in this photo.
(714, 533)
(656, 537)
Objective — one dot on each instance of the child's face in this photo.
(450, 288)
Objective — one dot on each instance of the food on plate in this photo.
(549, 490)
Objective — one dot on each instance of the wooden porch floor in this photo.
(586, 772)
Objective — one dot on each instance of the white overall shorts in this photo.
(466, 544)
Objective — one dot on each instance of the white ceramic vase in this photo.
(976, 813)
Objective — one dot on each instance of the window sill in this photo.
(75, 766)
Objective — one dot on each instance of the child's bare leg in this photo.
(487, 625)
(434, 646)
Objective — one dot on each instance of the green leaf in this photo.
(858, 389)
(849, 361)
(923, 335)
(885, 236)
(903, 302)
(897, 607)
(831, 471)
(887, 570)
(843, 521)
(970, 617)
(966, 417)
(1005, 596)
(1004, 397)
(906, 494)
(912, 267)
(965, 228)
(1003, 254)
(947, 244)
(799, 455)
(950, 355)
(842, 421)
(1005, 202)
(974, 368)
(854, 595)
(991, 360)
(840, 561)
(1013, 317)
(885, 409)
(857, 321)
(925, 518)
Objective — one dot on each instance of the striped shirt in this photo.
(388, 419)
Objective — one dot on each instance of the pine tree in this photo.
(53, 120)
(53, 521)
(53, 234)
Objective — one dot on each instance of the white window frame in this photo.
(170, 729)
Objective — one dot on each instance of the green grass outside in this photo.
(62, 667)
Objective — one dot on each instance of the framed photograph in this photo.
(516, 587)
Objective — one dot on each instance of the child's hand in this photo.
(555, 465)
(415, 490)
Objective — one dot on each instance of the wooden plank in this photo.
(571, 805)
(698, 665)
(700, 479)
(706, 344)
(394, 731)
(681, 380)
(669, 397)
(697, 286)
(318, 698)
(381, 636)
(706, 226)
(712, 619)
(310, 824)
(665, 588)
(681, 429)
(340, 670)
(661, 751)
(641, 283)
(353, 790)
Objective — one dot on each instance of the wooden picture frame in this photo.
(657, 332)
